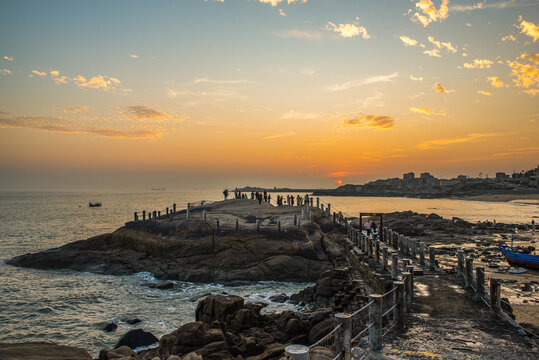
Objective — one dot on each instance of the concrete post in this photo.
(295, 219)
(297, 352)
(257, 225)
(414, 248)
(279, 225)
(174, 208)
(460, 269)
(299, 223)
(329, 209)
(375, 318)
(143, 215)
(135, 217)
(344, 335)
(311, 199)
(398, 313)
(480, 283)
(432, 259)
(155, 216)
(334, 216)
(410, 269)
(495, 291)
(237, 224)
(422, 253)
(385, 257)
(310, 216)
(394, 266)
(322, 209)
(407, 277)
(377, 252)
(469, 272)
(318, 203)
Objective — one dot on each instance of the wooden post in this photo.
(407, 278)
(174, 208)
(237, 224)
(318, 203)
(469, 272)
(398, 313)
(299, 223)
(394, 266)
(385, 257)
(310, 216)
(480, 283)
(204, 214)
(334, 216)
(377, 252)
(279, 224)
(422, 253)
(295, 219)
(344, 335)
(216, 224)
(375, 318)
(414, 248)
(187, 213)
(311, 199)
(329, 209)
(369, 246)
(143, 215)
(322, 209)
(296, 352)
(135, 217)
(410, 269)
(159, 214)
(460, 269)
(432, 259)
(155, 216)
(257, 225)
(495, 291)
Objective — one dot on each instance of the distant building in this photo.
(429, 180)
(409, 177)
(462, 178)
(501, 177)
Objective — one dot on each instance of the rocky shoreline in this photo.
(227, 327)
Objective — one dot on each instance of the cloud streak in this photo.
(370, 80)
(370, 121)
(427, 12)
(441, 143)
(299, 34)
(348, 30)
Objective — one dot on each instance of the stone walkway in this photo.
(445, 323)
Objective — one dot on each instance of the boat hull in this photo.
(518, 259)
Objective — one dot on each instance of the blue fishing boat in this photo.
(516, 258)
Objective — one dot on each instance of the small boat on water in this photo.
(518, 258)
(96, 204)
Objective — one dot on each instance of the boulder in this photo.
(136, 338)
(320, 330)
(218, 308)
(133, 321)
(190, 356)
(110, 327)
(122, 352)
(279, 298)
(41, 351)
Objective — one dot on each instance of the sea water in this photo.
(72, 308)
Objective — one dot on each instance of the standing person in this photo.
(292, 200)
(368, 227)
(225, 193)
(252, 195)
(298, 200)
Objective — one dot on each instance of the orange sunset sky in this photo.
(212, 94)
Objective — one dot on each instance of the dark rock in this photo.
(110, 327)
(320, 330)
(162, 285)
(280, 298)
(133, 321)
(136, 338)
(123, 352)
(41, 351)
(217, 308)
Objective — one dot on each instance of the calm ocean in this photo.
(72, 308)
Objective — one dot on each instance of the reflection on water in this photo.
(72, 308)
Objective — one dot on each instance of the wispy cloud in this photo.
(428, 111)
(79, 109)
(528, 28)
(212, 81)
(106, 83)
(418, 78)
(509, 38)
(531, 57)
(493, 5)
(518, 152)
(408, 41)
(370, 80)
(433, 52)
(5, 71)
(38, 73)
(441, 143)
(145, 113)
(274, 3)
(482, 92)
(479, 64)
(440, 89)
(299, 115)
(440, 44)
(370, 121)
(8, 58)
(299, 34)
(495, 82)
(525, 76)
(349, 30)
(427, 12)
(57, 125)
(134, 56)
(281, 12)
(276, 136)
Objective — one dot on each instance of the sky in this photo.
(303, 93)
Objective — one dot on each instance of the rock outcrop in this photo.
(41, 351)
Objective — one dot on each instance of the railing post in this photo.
(187, 213)
(377, 252)
(344, 335)
(167, 210)
(369, 246)
(204, 214)
(394, 266)
(406, 246)
(407, 289)
(385, 256)
(299, 223)
(469, 272)
(375, 320)
(135, 217)
(174, 208)
(257, 225)
(143, 215)
(432, 259)
(295, 219)
(216, 224)
(297, 352)
(422, 253)
(322, 209)
(495, 295)
(410, 269)
(480, 283)
(159, 214)
(334, 216)
(318, 203)
(398, 313)
(237, 224)
(310, 216)
(302, 214)
(460, 257)
(414, 248)
(155, 216)
(279, 224)
(329, 209)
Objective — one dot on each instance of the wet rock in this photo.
(280, 298)
(176, 357)
(320, 330)
(136, 338)
(162, 285)
(110, 327)
(190, 356)
(217, 308)
(133, 321)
